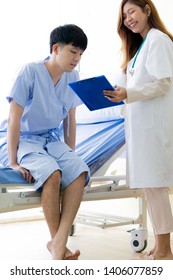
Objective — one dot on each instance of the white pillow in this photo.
(84, 115)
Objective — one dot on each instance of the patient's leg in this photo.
(60, 223)
(71, 200)
(50, 201)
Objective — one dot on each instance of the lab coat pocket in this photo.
(142, 115)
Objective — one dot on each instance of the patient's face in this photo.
(68, 57)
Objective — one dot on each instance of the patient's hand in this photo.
(26, 174)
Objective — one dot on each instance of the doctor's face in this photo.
(136, 19)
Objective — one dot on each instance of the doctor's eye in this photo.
(131, 12)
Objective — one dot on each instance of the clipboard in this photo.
(90, 92)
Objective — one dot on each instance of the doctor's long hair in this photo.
(131, 41)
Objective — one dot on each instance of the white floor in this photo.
(27, 241)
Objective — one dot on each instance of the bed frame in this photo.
(15, 197)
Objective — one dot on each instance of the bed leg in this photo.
(72, 231)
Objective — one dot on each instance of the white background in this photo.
(25, 26)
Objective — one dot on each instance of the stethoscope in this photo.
(131, 71)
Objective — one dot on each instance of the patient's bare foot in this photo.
(66, 255)
(71, 256)
(56, 252)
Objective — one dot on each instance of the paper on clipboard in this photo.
(90, 92)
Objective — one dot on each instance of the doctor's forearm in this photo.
(149, 90)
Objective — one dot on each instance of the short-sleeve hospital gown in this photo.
(45, 106)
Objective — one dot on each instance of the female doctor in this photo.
(147, 49)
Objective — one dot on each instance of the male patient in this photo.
(40, 100)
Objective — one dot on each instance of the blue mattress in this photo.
(96, 143)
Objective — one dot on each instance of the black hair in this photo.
(69, 34)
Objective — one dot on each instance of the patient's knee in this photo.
(83, 179)
(54, 179)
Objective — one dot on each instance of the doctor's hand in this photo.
(25, 173)
(118, 95)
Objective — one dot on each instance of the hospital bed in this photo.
(100, 141)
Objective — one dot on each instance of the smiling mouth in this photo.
(132, 24)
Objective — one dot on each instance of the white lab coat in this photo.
(149, 120)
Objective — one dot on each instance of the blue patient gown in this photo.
(45, 106)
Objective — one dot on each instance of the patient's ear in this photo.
(56, 48)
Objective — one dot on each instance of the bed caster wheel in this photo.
(138, 240)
